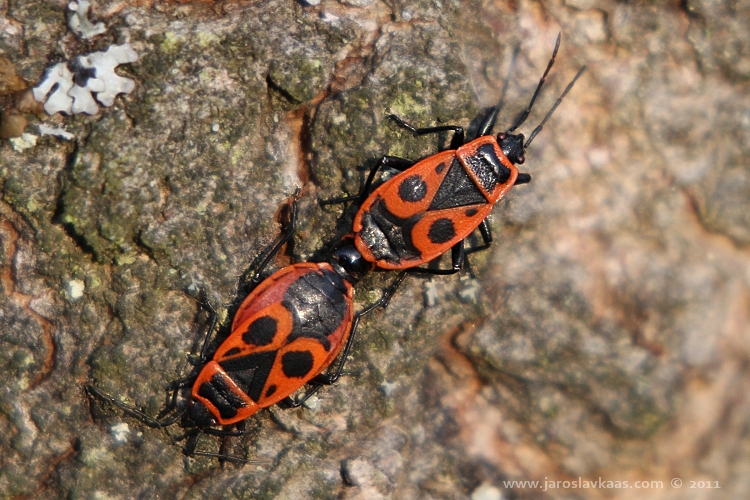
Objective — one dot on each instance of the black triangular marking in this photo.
(457, 190)
(250, 372)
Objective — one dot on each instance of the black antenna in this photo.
(557, 103)
(525, 113)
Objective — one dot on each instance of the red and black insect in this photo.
(285, 334)
(434, 204)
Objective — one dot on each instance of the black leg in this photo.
(186, 435)
(211, 432)
(212, 326)
(289, 402)
(331, 378)
(192, 442)
(222, 452)
(222, 432)
(458, 131)
(192, 436)
(175, 387)
(382, 302)
(522, 179)
(486, 232)
(289, 233)
(458, 254)
(393, 162)
(221, 458)
(132, 410)
(457, 263)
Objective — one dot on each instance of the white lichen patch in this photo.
(430, 294)
(120, 432)
(55, 131)
(78, 20)
(60, 77)
(470, 291)
(75, 85)
(105, 64)
(26, 141)
(76, 288)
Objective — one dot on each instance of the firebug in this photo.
(284, 335)
(434, 204)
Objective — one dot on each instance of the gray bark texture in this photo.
(604, 337)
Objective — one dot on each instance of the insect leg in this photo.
(486, 231)
(457, 263)
(175, 387)
(458, 253)
(522, 178)
(457, 256)
(220, 457)
(393, 162)
(132, 410)
(458, 131)
(192, 441)
(328, 379)
(288, 234)
(488, 121)
(212, 326)
(223, 432)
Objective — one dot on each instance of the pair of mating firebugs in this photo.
(295, 323)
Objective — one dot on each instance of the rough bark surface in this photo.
(605, 334)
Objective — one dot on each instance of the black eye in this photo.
(501, 136)
(521, 159)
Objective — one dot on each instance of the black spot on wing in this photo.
(261, 331)
(271, 390)
(456, 190)
(233, 351)
(439, 169)
(412, 189)
(471, 212)
(297, 364)
(441, 231)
